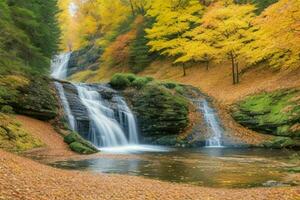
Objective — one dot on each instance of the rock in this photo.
(84, 59)
(37, 99)
(276, 113)
(158, 111)
(273, 183)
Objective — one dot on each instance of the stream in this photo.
(111, 126)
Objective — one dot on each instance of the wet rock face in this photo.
(37, 99)
(86, 58)
(79, 111)
(276, 113)
(159, 113)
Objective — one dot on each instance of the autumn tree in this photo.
(278, 38)
(229, 29)
(173, 19)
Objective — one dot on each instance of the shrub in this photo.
(119, 81)
(7, 109)
(130, 77)
(140, 82)
(149, 78)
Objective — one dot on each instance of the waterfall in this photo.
(212, 123)
(59, 65)
(59, 71)
(105, 129)
(108, 127)
(66, 107)
(127, 120)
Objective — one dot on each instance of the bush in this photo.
(7, 109)
(149, 78)
(120, 81)
(140, 82)
(130, 77)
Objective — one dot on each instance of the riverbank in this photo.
(22, 178)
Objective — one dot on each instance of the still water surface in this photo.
(220, 167)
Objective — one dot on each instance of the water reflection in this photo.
(205, 167)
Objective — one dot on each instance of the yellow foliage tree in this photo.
(173, 19)
(278, 37)
(228, 28)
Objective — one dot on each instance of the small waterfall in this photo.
(65, 104)
(212, 122)
(59, 65)
(59, 71)
(127, 120)
(105, 129)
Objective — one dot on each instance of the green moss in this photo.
(79, 145)
(122, 81)
(160, 112)
(170, 85)
(140, 82)
(274, 113)
(280, 142)
(119, 81)
(13, 138)
(81, 148)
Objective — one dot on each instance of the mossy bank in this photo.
(276, 113)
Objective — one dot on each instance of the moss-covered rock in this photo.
(159, 111)
(281, 142)
(37, 99)
(276, 113)
(80, 145)
(13, 138)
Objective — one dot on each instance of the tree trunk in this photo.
(184, 70)
(237, 73)
(233, 69)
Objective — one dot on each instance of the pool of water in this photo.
(212, 167)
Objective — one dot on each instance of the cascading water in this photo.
(59, 71)
(65, 104)
(212, 123)
(108, 127)
(105, 129)
(59, 65)
(127, 120)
